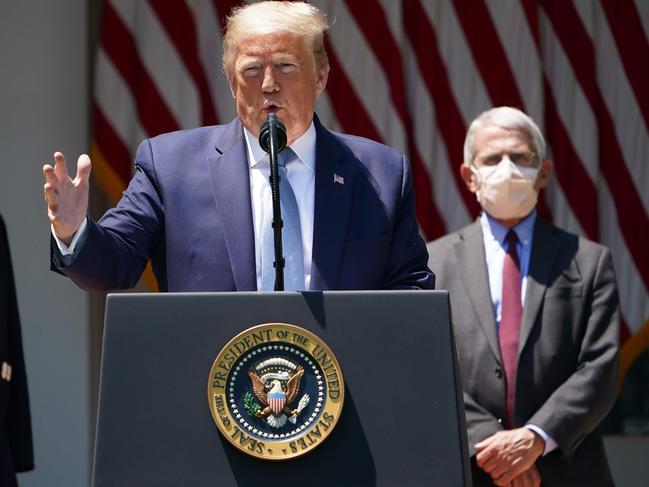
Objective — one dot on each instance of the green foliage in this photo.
(252, 406)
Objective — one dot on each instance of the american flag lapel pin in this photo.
(339, 179)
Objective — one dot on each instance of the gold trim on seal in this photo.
(265, 444)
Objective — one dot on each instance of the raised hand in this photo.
(67, 198)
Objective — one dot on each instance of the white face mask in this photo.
(506, 191)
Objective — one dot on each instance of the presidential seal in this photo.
(275, 391)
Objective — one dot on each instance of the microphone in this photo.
(272, 138)
(272, 135)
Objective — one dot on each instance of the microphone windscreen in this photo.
(265, 134)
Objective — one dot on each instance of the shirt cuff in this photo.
(69, 249)
(550, 444)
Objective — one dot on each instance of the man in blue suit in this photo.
(198, 202)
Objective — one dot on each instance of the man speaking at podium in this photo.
(199, 205)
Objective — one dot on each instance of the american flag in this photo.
(413, 74)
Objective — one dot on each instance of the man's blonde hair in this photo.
(272, 17)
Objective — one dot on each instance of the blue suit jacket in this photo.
(188, 207)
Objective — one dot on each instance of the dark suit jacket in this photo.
(15, 423)
(568, 353)
(189, 208)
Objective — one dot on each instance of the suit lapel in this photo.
(230, 176)
(473, 269)
(546, 245)
(331, 209)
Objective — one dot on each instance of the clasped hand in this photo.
(508, 457)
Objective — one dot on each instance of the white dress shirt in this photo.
(301, 176)
(494, 236)
(67, 251)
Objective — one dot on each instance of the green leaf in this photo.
(252, 407)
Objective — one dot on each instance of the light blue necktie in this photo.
(291, 234)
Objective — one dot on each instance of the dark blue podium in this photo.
(402, 422)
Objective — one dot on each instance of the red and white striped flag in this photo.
(413, 74)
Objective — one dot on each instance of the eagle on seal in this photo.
(276, 395)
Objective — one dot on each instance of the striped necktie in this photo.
(291, 233)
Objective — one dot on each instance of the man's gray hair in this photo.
(506, 118)
(272, 17)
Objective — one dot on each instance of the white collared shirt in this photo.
(301, 176)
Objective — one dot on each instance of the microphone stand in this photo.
(272, 138)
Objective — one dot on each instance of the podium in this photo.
(402, 422)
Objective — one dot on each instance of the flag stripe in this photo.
(630, 129)
(373, 23)
(424, 43)
(104, 173)
(563, 214)
(577, 184)
(210, 45)
(522, 55)
(633, 47)
(371, 19)
(120, 47)
(488, 53)
(161, 61)
(571, 105)
(642, 6)
(348, 108)
(222, 8)
(354, 119)
(579, 49)
(177, 21)
(446, 199)
(632, 289)
(355, 56)
(111, 145)
(116, 102)
(464, 78)
(570, 173)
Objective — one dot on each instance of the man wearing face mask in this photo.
(535, 312)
